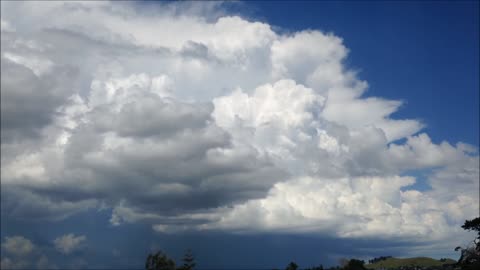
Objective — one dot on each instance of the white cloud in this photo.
(38, 66)
(210, 122)
(357, 207)
(299, 55)
(68, 243)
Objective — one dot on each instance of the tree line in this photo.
(379, 259)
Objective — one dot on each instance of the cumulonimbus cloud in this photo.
(194, 122)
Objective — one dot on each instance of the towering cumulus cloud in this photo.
(185, 120)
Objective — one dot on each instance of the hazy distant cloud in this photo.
(211, 122)
(8, 263)
(19, 252)
(68, 243)
(44, 263)
(16, 252)
(17, 245)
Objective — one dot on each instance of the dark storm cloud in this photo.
(24, 204)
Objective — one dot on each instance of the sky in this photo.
(253, 133)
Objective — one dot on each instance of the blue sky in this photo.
(425, 53)
(254, 133)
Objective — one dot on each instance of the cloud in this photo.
(68, 243)
(29, 101)
(17, 245)
(7, 263)
(211, 123)
(360, 207)
(44, 263)
(19, 252)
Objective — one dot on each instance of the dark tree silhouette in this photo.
(188, 261)
(343, 262)
(354, 264)
(159, 261)
(472, 225)
(379, 259)
(292, 266)
(320, 267)
(470, 255)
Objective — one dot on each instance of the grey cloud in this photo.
(195, 50)
(152, 116)
(179, 171)
(160, 156)
(25, 204)
(28, 103)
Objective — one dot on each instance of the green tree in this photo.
(159, 261)
(188, 261)
(470, 255)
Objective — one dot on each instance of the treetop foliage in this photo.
(470, 255)
(160, 261)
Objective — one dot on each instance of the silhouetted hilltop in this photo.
(396, 263)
